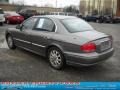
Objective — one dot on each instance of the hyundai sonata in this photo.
(62, 39)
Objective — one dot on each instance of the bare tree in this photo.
(71, 9)
(19, 5)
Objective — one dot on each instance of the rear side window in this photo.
(76, 25)
(14, 14)
(1, 11)
(45, 24)
(11, 14)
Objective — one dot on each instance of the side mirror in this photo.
(19, 27)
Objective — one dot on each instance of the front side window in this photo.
(29, 24)
(1, 11)
(76, 25)
(45, 24)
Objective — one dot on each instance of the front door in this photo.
(22, 37)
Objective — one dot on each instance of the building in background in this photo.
(118, 8)
(102, 7)
(82, 6)
(4, 1)
(12, 7)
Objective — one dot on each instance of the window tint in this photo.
(76, 25)
(45, 25)
(1, 11)
(7, 14)
(29, 24)
(14, 14)
(11, 14)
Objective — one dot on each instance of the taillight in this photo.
(88, 47)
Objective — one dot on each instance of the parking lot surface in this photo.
(21, 65)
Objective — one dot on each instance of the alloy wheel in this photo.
(56, 58)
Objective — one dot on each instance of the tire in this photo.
(56, 58)
(1, 24)
(10, 42)
(97, 21)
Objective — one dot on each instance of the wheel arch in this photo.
(53, 45)
(7, 34)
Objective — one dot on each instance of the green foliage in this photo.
(71, 9)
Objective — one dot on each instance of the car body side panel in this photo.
(21, 38)
(40, 40)
(68, 43)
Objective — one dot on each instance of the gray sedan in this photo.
(62, 39)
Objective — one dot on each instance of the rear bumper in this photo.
(87, 59)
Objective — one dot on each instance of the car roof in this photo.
(11, 12)
(57, 16)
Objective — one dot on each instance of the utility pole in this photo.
(56, 3)
(23, 2)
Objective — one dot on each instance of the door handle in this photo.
(45, 37)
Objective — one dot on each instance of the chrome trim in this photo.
(38, 45)
(29, 42)
(22, 40)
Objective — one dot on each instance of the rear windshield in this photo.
(14, 14)
(76, 25)
(1, 11)
(11, 14)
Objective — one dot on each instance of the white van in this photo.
(2, 18)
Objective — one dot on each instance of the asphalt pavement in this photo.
(21, 65)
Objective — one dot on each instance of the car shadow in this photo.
(67, 67)
(69, 73)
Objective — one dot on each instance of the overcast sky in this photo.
(60, 3)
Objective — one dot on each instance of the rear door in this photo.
(42, 35)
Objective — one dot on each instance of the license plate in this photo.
(105, 45)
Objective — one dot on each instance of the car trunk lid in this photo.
(103, 42)
(91, 35)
